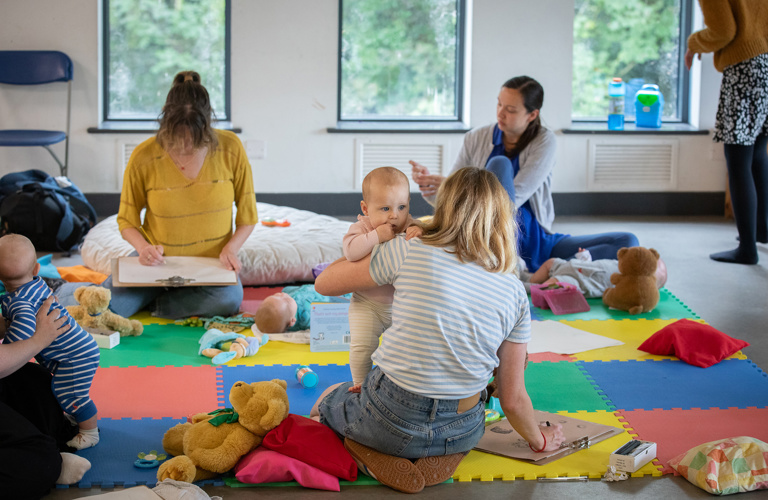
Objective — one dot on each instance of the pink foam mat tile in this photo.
(154, 392)
(676, 431)
(254, 295)
(540, 357)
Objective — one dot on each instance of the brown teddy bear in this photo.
(212, 443)
(93, 312)
(635, 288)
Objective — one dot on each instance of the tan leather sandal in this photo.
(398, 473)
(439, 469)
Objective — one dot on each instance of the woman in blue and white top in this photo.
(458, 312)
(521, 152)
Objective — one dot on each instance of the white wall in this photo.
(284, 67)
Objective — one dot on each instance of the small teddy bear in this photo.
(93, 312)
(636, 289)
(212, 443)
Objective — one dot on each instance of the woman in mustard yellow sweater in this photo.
(737, 32)
(187, 178)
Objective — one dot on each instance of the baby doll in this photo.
(592, 277)
(386, 199)
(72, 358)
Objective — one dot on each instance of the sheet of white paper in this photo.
(557, 337)
(201, 269)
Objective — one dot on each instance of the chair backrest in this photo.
(34, 67)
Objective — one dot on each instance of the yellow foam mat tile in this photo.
(632, 332)
(592, 462)
(285, 353)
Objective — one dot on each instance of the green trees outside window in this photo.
(631, 39)
(148, 41)
(400, 59)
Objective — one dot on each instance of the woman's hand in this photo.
(229, 260)
(48, 323)
(554, 436)
(689, 58)
(151, 255)
(428, 184)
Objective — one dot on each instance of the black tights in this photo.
(748, 181)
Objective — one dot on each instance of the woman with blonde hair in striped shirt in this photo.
(458, 312)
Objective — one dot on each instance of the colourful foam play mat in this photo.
(147, 384)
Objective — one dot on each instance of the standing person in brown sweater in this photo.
(737, 32)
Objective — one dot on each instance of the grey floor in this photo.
(730, 297)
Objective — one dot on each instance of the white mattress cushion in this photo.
(270, 255)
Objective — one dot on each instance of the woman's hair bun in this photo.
(186, 76)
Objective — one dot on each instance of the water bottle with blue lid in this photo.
(616, 91)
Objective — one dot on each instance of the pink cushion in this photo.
(695, 343)
(312, 443)
(267, 466)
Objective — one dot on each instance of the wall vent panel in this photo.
(124, 151)
(372, 154)
(632, 165)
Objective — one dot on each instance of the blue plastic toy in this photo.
(306, 377)
(649, 105)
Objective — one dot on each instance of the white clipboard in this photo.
(177, 271)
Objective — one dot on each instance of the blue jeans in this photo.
(397, 422)
(600, 246)
(171, 302)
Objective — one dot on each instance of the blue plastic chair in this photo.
(36, 67)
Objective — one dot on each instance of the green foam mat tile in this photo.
(362, 480)
(669, 307)
(159, 345)
(563, 386)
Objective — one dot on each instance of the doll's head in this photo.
(18, 261)
(661, 273)
(276, 313)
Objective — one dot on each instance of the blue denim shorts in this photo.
(397, 422)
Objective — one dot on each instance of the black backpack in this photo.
(54, 218)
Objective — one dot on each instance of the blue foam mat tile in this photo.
(301, 399)
(672, 384)
(120, 442)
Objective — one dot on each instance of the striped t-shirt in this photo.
(448, 319)
(21, 306)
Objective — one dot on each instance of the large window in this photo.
(400, 59)
(146, 42)
(640, 41)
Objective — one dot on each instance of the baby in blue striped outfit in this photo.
(72, 358)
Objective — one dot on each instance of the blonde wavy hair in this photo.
(187, 113)
(475, 220)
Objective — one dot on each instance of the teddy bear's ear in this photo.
(281, 383)
(276, 413)
(79, 293)
(622, 251)
(654, 252)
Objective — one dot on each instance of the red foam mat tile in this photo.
(154, 392)
(676, 431)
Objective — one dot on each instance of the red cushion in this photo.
(312, 443)
(695, 343)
